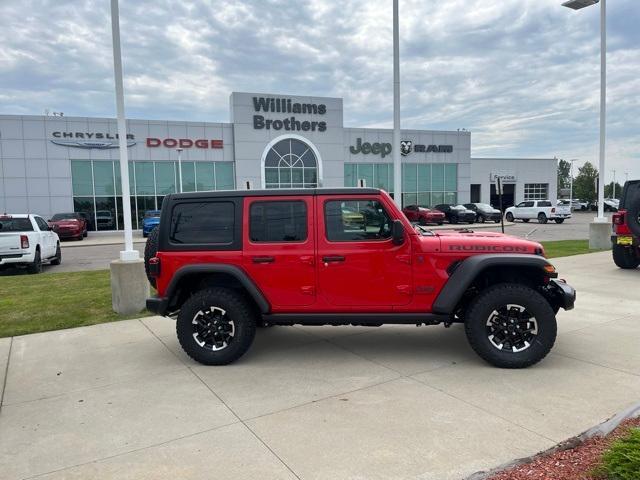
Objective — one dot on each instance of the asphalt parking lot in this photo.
(121, 400)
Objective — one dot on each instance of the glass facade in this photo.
(424, 184)
(97, 187)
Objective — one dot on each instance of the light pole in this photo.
(129, 254)
(614, 184)
(571, 183)
(179, 150)
(397, 166)
(577, 5)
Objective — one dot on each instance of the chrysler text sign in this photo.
(97, 140)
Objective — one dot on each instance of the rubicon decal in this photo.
(183, 143)
(487, 248)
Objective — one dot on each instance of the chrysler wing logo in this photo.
(98, 144)
(405, 147)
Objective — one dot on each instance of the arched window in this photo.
(291, 163)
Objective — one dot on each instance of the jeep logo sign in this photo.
(384, 149)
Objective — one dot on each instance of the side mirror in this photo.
(397, 232)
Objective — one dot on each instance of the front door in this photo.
(359, 267)
(279, 248)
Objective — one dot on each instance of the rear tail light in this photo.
(618, 218)
(154, 267)
(24, 241)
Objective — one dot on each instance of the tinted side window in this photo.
(356, 220)
(544, 204)
(202, 223)
(528, 204)
(278, 221)
(42, 225)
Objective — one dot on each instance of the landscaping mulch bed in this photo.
(577, 463)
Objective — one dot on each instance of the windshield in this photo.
(458, 207)
(484, 206)
(15, 225)
(64, 216)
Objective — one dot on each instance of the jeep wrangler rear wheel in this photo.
(216, 326)
(625, 257)
(511, 325)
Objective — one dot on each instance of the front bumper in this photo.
(157, 305)
(562, 294)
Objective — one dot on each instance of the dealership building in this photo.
(51, 164)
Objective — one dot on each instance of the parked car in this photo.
(423, 215)
(542, 210)
(105, 220)
(221, 273)
(456, 213)
(87, 218)
(27, 241)
(150, 220)
(69, 225)
(484, 212)
(353, 219)
(610, 205)
(625, 240)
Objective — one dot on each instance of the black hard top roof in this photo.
(274, 193)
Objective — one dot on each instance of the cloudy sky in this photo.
(522, 75)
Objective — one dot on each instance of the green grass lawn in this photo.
(37, 303)
(565, 248)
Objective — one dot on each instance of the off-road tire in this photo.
(497, 296)
(150, 250)
(237, 309)
(559, 220)
(36, 265)
(509, 217)
(57, 260)
(542, 218)
(625, 257)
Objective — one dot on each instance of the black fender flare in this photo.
(236, 272)
(468, 270)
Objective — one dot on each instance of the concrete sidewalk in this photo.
(121, 400)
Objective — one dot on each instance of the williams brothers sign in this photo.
(288, 123)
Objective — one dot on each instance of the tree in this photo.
(608, 190)
(584, 185)
(564, 175)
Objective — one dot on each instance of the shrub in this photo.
(622, 460)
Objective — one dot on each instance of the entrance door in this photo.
(508, 196)
(475, 193)
(359, 267)
(279, 248)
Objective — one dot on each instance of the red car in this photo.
(69, 225)
(227, 262)
(423, 215)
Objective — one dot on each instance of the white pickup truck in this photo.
(27, 240)
(541, 210)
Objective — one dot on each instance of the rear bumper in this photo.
(16, 258)
(564, 295)
(157, 305)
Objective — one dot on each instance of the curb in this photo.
(602, 429)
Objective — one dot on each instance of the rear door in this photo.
(359, 267)
(48, 243)
(279, 248)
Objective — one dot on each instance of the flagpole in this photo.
(129, 253)
(397, 166)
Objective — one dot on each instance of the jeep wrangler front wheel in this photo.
(216, 326)
(511, 325)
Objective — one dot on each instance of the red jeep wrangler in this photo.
(625, 240)
(226, 262)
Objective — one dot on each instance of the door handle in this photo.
(336, 258)
(263, 259)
